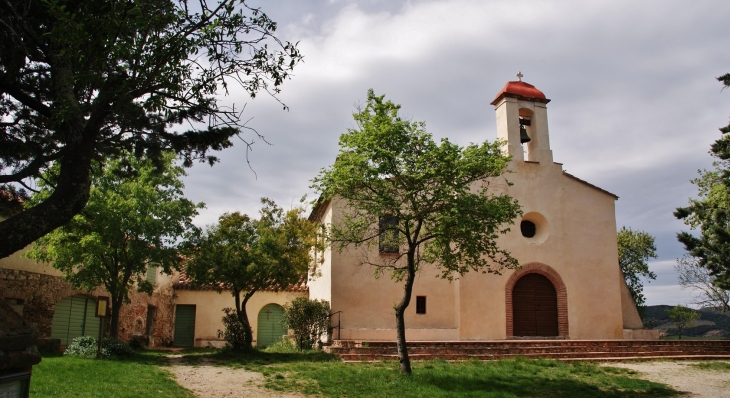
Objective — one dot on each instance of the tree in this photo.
(682, 317)
(90, 79)
(308, 320)
(244, 255)
(692, 275)
(711, 212)
(635, 248)
(134, 218)
(417, 201)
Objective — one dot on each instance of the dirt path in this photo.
(682, 377)
(206, 380)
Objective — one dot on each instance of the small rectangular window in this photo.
(151, 273)
(388, 234)
(420, 304)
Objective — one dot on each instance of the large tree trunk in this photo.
(74, 182)
(243, 318)
(116, 308)
(67, 200)
(400, 309)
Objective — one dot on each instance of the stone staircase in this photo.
(564, 350)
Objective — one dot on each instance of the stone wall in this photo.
(40, 293)
(133, 316)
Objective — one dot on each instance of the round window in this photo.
(528, 228)
(534, 228)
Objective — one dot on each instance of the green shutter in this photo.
(270, 327)
(151, 273)
(184, 326)
(74, 316)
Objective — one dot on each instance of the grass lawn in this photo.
(320, 374)
(65, 376)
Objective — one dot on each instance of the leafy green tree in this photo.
(135, 216)
(244, 255)
(711, 212)
(88, 79)
(635, 248)
(682, 317)
(417, 201)
(308, 320)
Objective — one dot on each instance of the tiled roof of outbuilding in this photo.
(184, 283)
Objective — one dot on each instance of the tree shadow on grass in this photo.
(465, 386)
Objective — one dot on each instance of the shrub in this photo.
(283, 346)
(234, 333)
(85, 347)
(308, 320)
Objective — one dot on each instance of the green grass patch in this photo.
(315, 373)
(712, 365)
(139, 376)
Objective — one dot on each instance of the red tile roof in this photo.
(184, 283)
(521, 90)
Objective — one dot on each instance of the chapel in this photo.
(569, 285)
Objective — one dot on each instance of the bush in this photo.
(283, 346)
(234, 333)
(85, 347)
(308, 320)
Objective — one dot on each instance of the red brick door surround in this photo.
(557, 281)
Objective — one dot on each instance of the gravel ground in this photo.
(682, 377)
(206, 380)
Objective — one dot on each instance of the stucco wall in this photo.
(576, 239)
(209, 310)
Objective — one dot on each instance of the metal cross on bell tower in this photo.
(519, 76)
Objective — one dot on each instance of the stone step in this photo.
(662, 351)
(559, 349)
(594, 359)
(461, 356)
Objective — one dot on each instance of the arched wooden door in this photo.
(535, 306)
(74, 316)
(270, 327)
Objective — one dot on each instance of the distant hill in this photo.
(711, 323)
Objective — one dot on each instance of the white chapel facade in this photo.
(569, 285)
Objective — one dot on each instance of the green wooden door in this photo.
(74, 316)
(270, 326)
(184, 326)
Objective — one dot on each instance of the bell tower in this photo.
(522, 122)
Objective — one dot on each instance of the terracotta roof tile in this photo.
(184, 283)
(520, 90)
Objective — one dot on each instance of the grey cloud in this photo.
(634, 102)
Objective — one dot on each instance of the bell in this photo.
(523, 131)
(523, 135)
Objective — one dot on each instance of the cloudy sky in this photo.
(635, 104)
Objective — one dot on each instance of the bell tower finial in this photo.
(519, 76)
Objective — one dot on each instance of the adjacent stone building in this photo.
(48, 303)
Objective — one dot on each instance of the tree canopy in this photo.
(134, 219)
(710, 212)
(635, 248)
(408, 201)
(245, 255)
(82, 81)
